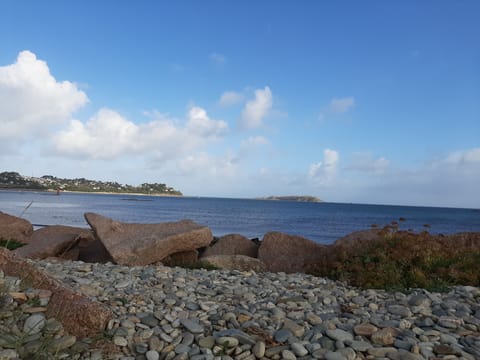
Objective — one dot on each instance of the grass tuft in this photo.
(10, 244)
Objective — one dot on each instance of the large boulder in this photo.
(361, 237)
(232, 244)
(79, 315)
(183, 258)
(92, 251)
(143, 244)
(54, 241)
(235, 262)
(14, 228)
(288, 253)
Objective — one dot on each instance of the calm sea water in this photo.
(321, 222)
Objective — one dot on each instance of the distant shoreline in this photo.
(298, 198)
(53, 192)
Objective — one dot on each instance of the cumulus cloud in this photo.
(341, 105)
(108, 135)
(364, 162)
(31, 99)
(256, 109)
(206, 166)
(324, 172)
(200, 124)
(229, 98)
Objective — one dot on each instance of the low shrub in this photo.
(400, 260)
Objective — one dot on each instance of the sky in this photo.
(350, 101)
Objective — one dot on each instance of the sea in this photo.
(322, 222)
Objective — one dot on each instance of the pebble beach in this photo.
(177, 313)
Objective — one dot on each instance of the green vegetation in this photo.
(10, 244)
(13, 180)
(403, 260)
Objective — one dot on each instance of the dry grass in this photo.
(400, 260)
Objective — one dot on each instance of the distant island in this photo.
(13, 180)
(304, 198)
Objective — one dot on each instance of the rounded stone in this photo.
(120, 341)
(298, 349)
(364, 329)
(34, 324)
(288, 355)
(207, 342)
(62, 343)
(227, 341)
(282, 335)
(259, 349)
(152, 355)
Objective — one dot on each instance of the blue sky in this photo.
(371, 101)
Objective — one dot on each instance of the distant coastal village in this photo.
(13, 180)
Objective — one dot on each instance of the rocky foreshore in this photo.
(176, 313)
(106, 293)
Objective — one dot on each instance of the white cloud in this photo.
(32, 100)
(229, 98)
(341, 105)
(256, 109)
(200, 124)
(202, 165)
(217, 58)
(464, 157)
(108, 135)
(364, 162)
(324, 172)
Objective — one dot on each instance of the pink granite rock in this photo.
(236, 262)
(143, 244)
(289, 253)
(232, 244)
(14, 228)
(53, 241)
(183, 258)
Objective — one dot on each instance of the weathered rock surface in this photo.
(92, 251)
(143, 244)
(289, 253)
(236, 262)
(232, 244)
(79, 315)
(182, 258)
(14, 228)
(53, 241)
(360, 237)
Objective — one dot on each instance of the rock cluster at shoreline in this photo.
(176, 313)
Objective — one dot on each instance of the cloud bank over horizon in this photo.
(238, 147)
